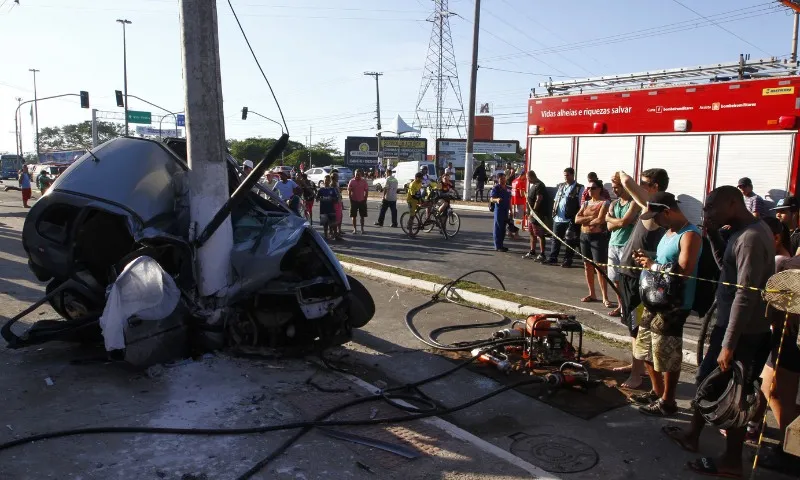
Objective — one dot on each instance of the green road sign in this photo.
(138, 117)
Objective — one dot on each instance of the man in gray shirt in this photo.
(742, 332)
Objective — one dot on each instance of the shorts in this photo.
(595, 246)
(309, 204)
(535, 228)
(413, 206)
(26, 194)
(358, 208)
(629, 302)
(752, 351)
(790, 353)
(326, 219)
(665, 352)
(614, 258)
(669, 322)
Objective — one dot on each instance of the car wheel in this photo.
(362, 306)
(378, 187)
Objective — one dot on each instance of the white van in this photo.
(404, 173)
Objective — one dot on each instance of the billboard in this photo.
(362, 152)
(157, 132)
(455, 150)
(67, 156)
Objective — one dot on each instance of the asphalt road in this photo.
(473, 249)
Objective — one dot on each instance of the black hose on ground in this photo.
(392, 393)
(446, 294)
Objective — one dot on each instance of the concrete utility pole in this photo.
(95, 135)
(377, 107)
(18, 128)
(125, 67)
(36, 109)
(473, 83)
(205, 134)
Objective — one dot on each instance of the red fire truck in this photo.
(707, 126)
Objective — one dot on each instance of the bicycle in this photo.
(451, 220)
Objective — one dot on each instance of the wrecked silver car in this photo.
(128, 199)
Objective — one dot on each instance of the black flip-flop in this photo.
(668, 430)
(708, 468)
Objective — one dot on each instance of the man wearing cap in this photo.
(247, 166)
(753, 202)
(659, 342)
(787, 212)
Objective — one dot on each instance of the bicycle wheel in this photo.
(411, 229)
(452, 223)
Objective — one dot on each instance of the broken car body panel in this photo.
(129, 197)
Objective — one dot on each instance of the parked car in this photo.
(129, 198)
(316, 175)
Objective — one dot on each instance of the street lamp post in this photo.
(125, 67)
(18, 128)
(246, 110)
(36, 109)
(175, 115)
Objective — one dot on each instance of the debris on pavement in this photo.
(49, 381)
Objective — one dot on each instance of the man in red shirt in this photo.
(518, 188)
(357, 190)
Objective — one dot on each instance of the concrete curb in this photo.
(689, 356)
(472, 208)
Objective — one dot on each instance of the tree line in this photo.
(79, 136)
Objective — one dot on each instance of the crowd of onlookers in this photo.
(644, 230)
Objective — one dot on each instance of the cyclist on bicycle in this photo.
(447, 188)
(414, 197)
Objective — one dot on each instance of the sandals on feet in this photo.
(588, 299)
(644, 398)
(659, 408)
(706, 466)
(617, 312)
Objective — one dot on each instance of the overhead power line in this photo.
(726, 17)
(720, 26)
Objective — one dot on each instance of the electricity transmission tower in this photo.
(440, 79)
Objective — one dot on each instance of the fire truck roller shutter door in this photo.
(764, 158)
(685, 158)
(549, 156)
(605, 155)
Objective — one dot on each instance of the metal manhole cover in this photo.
(554, 453)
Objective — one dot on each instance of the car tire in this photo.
(378, 187)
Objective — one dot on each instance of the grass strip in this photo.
(463, 285)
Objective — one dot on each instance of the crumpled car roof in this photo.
(133, 173)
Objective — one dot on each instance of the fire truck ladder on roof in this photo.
(743, 69)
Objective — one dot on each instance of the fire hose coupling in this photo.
(493, 357)
(569, 374)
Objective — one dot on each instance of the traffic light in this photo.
(244, 113)
(84, 99)
(120, 102)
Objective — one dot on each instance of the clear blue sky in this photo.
(315, 53)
